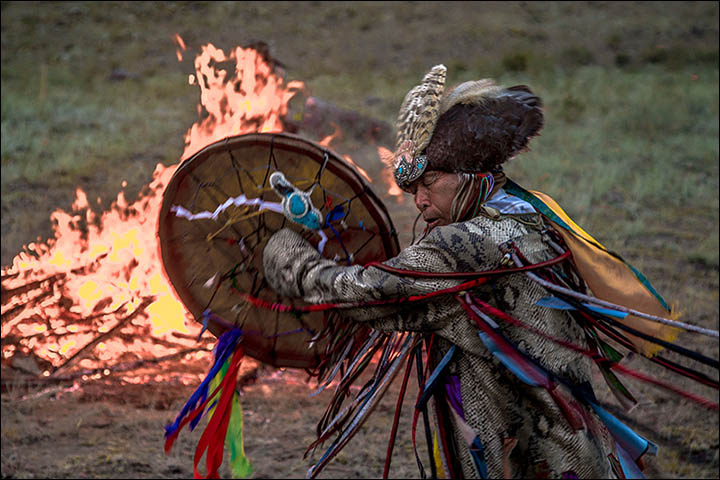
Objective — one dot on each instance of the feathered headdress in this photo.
(416, 121)
(475, 127)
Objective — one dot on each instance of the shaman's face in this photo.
(434, 192)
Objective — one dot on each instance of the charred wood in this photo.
(8, 276)
(9, 294)
(89, 346)
(37, 380)
(18, 309)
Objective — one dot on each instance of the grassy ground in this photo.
(630, 146)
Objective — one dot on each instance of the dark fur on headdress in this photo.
(482, 125)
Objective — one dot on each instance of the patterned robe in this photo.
(500, 409)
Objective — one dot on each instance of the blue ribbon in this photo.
(223, 350)
(432, 380)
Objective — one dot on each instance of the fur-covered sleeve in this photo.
(294, 268)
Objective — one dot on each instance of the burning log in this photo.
(9, 294)
(62, 302)
(84, 350)
(19, 308)
(14, 297)
(8, 276)
(106, 370)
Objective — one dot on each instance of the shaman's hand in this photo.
(285, 259)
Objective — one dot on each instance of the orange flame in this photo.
(337, 135)
(107, 264)
(358, 168)
(180, 43)
(98, 270)
(255, 99)
(386, 157)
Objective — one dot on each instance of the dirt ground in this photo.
(104, 430)
(101, 429)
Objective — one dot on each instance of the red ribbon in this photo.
(213, 438)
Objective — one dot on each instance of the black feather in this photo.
(480, 136)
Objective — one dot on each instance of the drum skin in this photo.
(209, 261)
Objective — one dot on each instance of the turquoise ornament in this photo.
(297, 206)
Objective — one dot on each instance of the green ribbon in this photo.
(240, 466)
